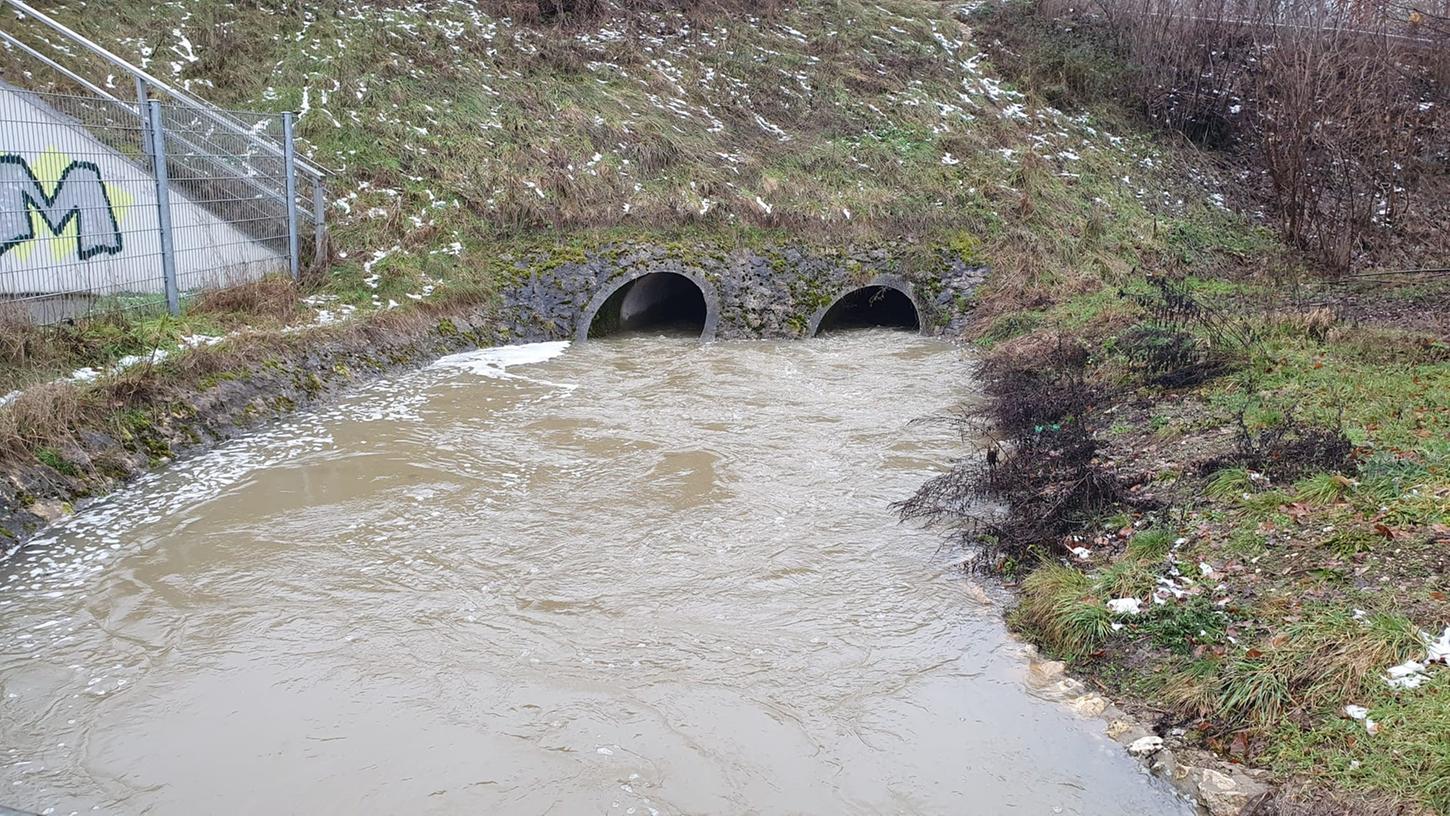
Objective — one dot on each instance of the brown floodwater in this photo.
(638, 576)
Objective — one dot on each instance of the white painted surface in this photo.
(209, 250)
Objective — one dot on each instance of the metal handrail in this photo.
(136, 74)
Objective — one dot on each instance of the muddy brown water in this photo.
(639, 577)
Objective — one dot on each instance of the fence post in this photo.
(143, 110)
(319, 222)
(289, 158)
(163, 208)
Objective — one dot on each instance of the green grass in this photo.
(1324, 659)
(1408, 757)
(1151, 544)
(52, 459)
(1322, 488)
(1388, 389)
(1062, 608)
(1347, 542)
(1181, 628)
(1247, 543)
(1126, 578)
(1229, 483)
(1266, 504)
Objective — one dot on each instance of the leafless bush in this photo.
(1291, 449)
(1341, 101)
(1022, 498)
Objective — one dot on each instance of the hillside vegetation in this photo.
(1229, 495)
(462, 137)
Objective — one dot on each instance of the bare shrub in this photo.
(1291, 449)
(1183, 341)
(1170, 358)
(1044, 479)
(1341, 103)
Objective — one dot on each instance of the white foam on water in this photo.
(491, 362)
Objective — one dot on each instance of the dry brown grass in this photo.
(270, 297)
(19, 338)
(48, 415)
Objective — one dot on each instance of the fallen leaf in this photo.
(1240, 745)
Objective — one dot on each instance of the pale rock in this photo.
(1088, 705)
(1144, 746)
(1043, 672)
(1226, 795)
(1166, 766)
(1126, 732)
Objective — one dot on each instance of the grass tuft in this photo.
(1061, 606)
(1229, 483)
(1152, 544)
(1322, 488)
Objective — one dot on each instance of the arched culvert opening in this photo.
(872, 306)
(656, 302)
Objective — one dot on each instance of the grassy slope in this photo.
(1316, 583)
(1319, 583)
(460, 138)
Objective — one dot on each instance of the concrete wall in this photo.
(78, 216)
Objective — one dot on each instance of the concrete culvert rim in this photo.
(646, 299)
(889, 293)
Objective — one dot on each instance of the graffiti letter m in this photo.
(79, 195)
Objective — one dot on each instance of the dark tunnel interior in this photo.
(660, 302)
(871, 307)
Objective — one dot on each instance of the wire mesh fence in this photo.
(129, 196)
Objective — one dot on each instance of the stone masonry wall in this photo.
(771, 293)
